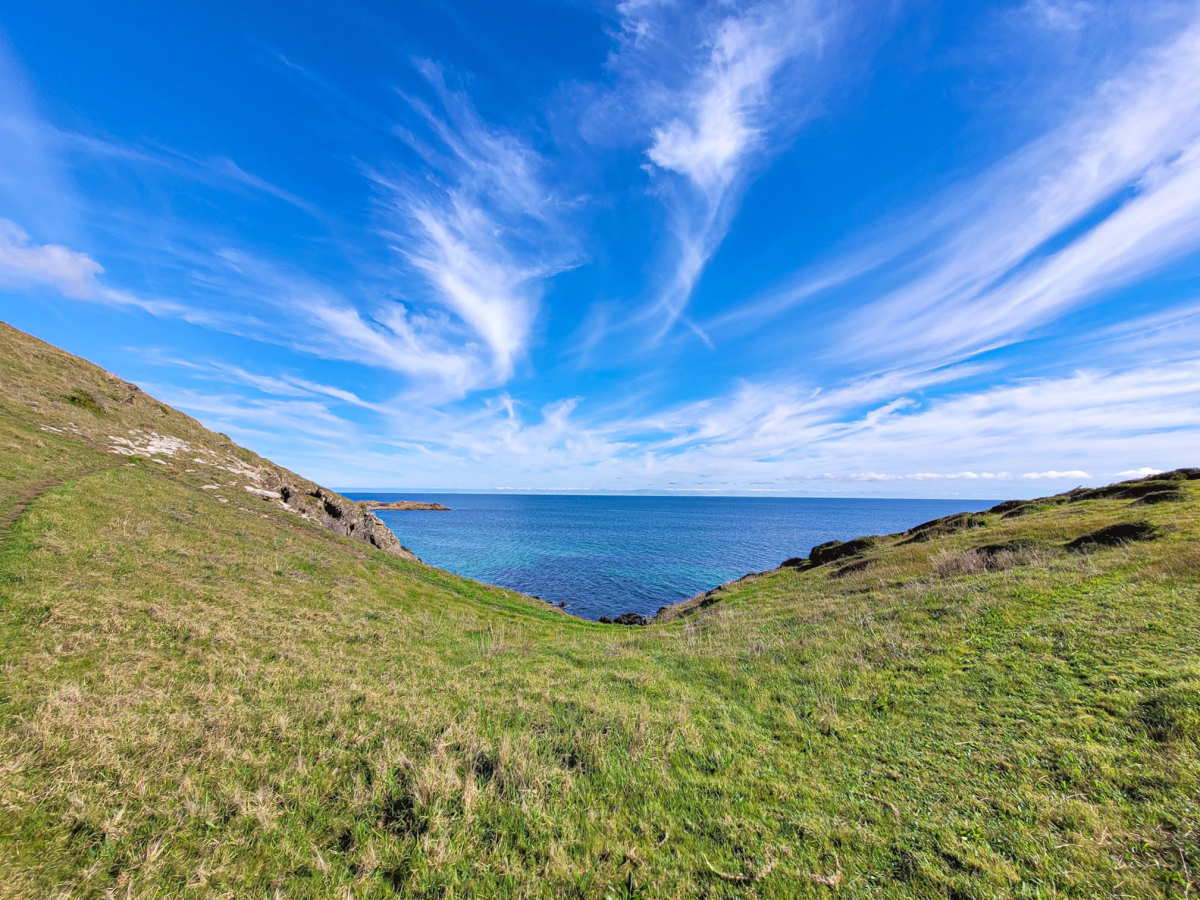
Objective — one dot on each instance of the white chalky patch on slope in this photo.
(71, 427)
(154, 444)
(245, 471)
(147, 444)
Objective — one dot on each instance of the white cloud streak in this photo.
(1088, 420)
(882, 435)
(480, 225)
(1107, 198)
(305, 315)
(707, 133)
(1059, 16)
(1055, 475)
(476, 223)
(23, 263)
(295, 311)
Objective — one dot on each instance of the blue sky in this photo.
(893, 248)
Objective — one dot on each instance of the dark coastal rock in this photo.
(1013, 509)
(632, 619)
(796, 562)
(831, 551)
(626, 619)
(955, 524)
(1115, 536)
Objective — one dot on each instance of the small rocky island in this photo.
(404, 504)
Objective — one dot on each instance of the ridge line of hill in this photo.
(1149, 490)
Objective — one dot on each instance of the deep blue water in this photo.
(608, 555)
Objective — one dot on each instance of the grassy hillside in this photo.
(203, 694)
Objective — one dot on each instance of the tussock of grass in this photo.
(988, 558)
(220, 699)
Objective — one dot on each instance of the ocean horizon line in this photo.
(658, 492)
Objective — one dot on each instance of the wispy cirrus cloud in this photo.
(1106, 198)
(710, 128)
(270, 305)
(298, 311)
(1059, 15)
(479, 222)
(23, 263)
(26, 264)
(282, 384)
(476, 222)
(1011, 439)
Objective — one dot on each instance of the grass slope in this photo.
(205, 698)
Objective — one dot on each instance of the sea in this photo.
(605, 555)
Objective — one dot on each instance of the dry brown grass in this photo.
(953, 563)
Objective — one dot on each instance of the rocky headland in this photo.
(408, 505)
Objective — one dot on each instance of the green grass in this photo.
(206, 698)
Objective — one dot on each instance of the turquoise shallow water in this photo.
(607, 555)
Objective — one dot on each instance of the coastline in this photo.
(688, 547)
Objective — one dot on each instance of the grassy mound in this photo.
(204, 694)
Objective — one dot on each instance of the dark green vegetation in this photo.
(206, 698)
